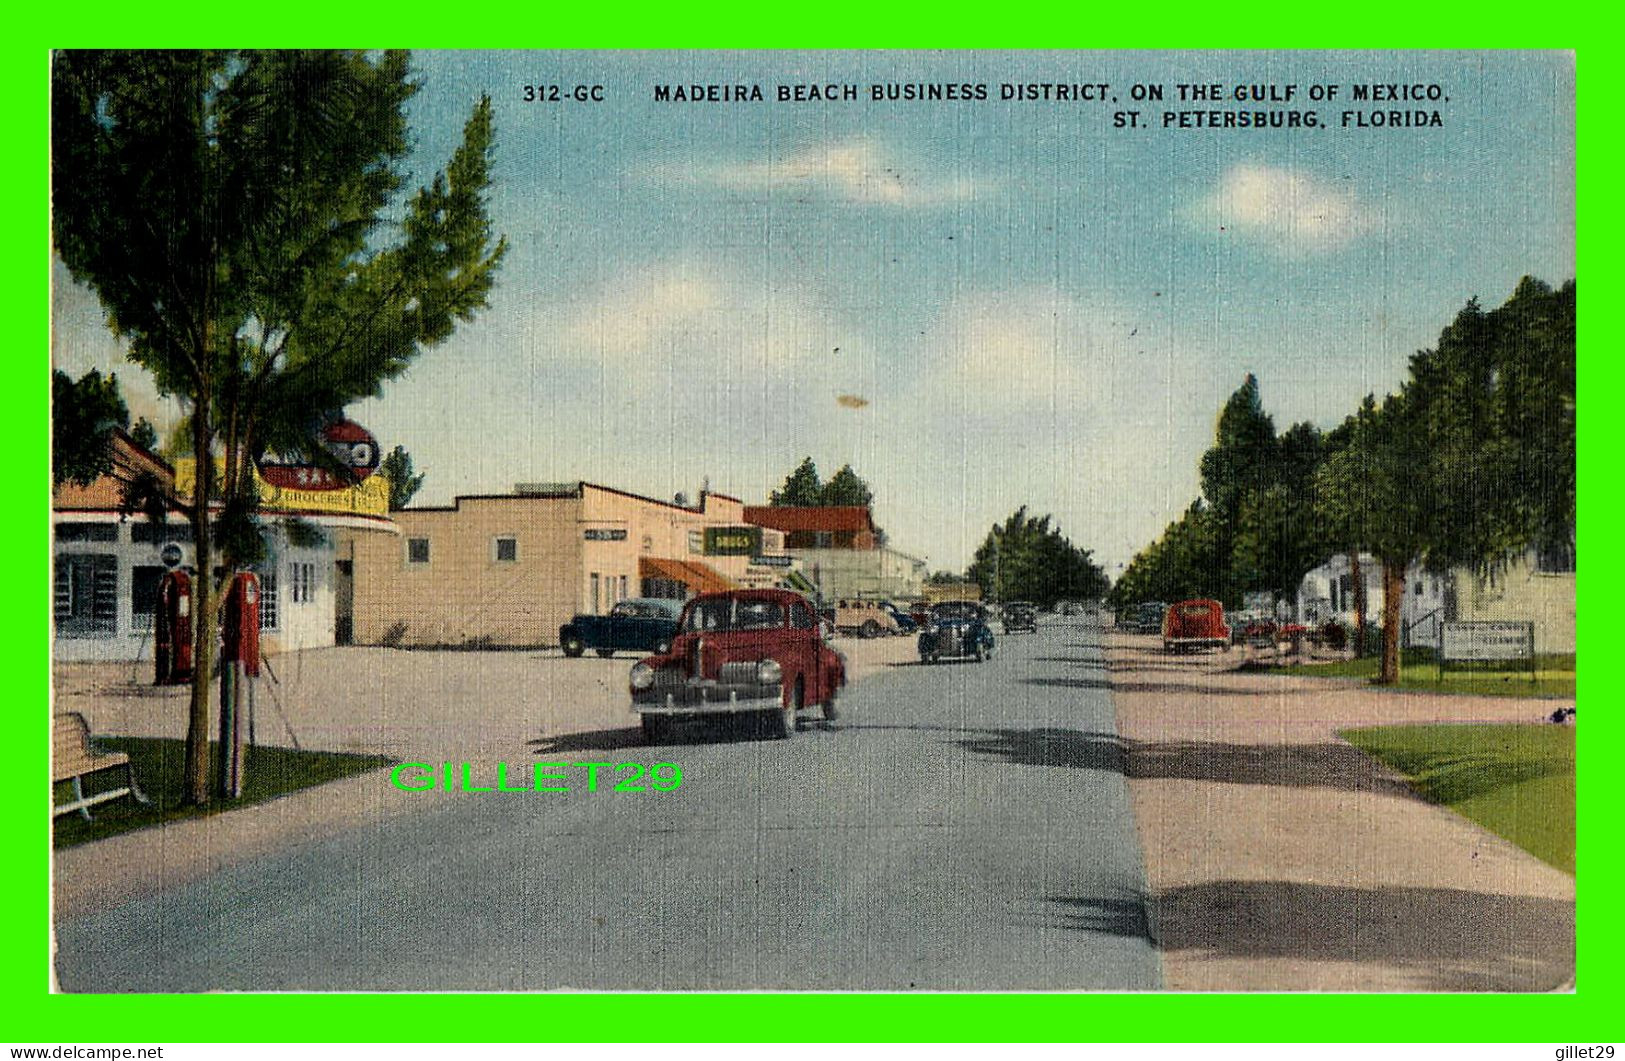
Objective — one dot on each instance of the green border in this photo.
(1588, 1015)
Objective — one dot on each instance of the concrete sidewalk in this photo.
(1283, 859)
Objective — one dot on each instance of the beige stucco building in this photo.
(510, 569)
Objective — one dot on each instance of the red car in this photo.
(756, 651)
(1195, 624)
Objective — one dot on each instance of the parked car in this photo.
(1143, 618)
(755, 651)
(1195, 624)
(865, 618)
(1019, 615)
(956, 629)
(638, 624)
(905, 622)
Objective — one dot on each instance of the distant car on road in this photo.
(1019, 615)
(749, 651)
(1144, 618)
(905, 622)
(638, 624)
(1195, 624)
(956, 630)
(866, 618)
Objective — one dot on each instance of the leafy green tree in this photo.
(144, 434)
(84, 414)
(801, 487)
(237, 213)
(397, 468)
(845, 488)
(1028, 558)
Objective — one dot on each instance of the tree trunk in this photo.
(1393, 598)
(203, 617)
(1357, 577)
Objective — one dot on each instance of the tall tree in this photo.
(397, 468)
(1028, 558)
(84, 414)
(230, 210)
(845, 488)
(801, 487)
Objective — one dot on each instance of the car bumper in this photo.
(706, 698)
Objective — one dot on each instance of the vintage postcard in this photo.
(813, 521)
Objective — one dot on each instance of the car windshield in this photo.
(957, 610)
(731, 613)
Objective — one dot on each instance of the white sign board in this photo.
(1486, 641)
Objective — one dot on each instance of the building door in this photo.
(343, 602)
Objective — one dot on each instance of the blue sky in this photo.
(1037, 307)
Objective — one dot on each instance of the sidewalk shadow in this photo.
(1144, 687)
(1326, 765)
(1441, 939)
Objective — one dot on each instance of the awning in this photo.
(797, 581)
(699, 578)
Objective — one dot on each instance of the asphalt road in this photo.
(960, 827)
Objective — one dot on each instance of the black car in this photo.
(956, 630)
(641, 624)
(1019, 615)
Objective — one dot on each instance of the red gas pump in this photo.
(172, 636)
(241, 627)
(239, 666)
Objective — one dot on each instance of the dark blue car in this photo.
(956, 630)
(641, 624)
(905, 621)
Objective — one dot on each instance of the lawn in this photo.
(1515, 780)
(159, 766)
(1554, 676)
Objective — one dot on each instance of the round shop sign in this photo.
(171, 555)
(350, 443)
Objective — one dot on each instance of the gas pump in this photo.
(239, 667)
(172, 634)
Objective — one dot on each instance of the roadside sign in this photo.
(1487, 641)
(733, 541)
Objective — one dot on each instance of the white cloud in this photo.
(1292, 211)
(631, 315)
(857, 170)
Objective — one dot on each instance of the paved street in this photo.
(962, 826)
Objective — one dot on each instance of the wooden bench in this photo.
(74, 757)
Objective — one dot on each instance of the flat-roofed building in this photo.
(510, 569)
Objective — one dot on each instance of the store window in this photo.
(270, 602)
(507, 550)
(624, 594)
(87, 532)
(144, 582)
(593, 579)
(417, 550)
(85, 599)
(301, 583)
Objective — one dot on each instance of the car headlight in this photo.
(642, 676)
(768, 671)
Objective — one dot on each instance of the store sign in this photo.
(1486, 641)
(773, 561)
(348, 442)
(733, 541)
(604, 534)
(369, 498)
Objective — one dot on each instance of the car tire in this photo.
(831, 713)
(654, 729)
(782, 724)
(573, 647)
(605, 653)
(981, 653)
(870, 628)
